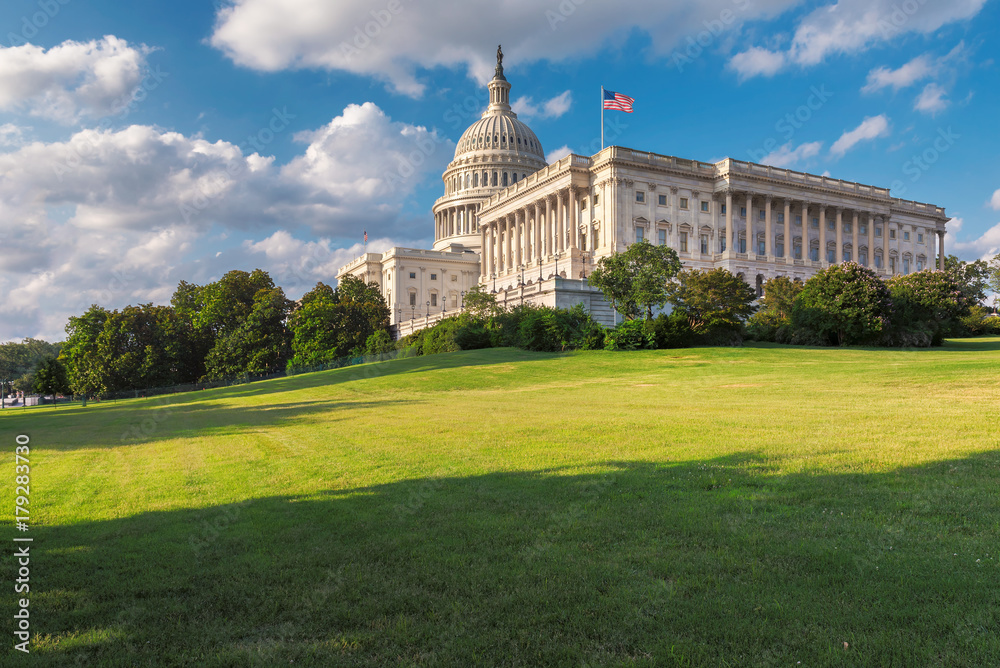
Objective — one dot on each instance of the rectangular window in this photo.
(413, 299)
(434, 277)
(743, 245)
(434, 299)
(723, 209)
(597, 199)
(779, 249)
(662, 237)
(781, 219)
(640, 196)
(684, 242)
(815, 223)
(761, 214)
(413, 274)
(906, 236)
(704, 244)
(640, 234)
(906, 266)
(847, 256)
(814, 254)
(892, 234)
(831, 224)
(684, 202)
(454, 301)
(663, 200)
(454, 278)
(848, 228)
(920, 265)
(798, 220)
(722, 242)
(920, 238)
(863, 259)
(743, 211)
(878, 261)
(797, 251)
(760, 247)
(831, 255)
(878, 230)
(704, 207)
(863, 229)
(892, 265)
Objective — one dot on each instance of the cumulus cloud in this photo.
(757, 61)
(931, 99)
(392, 45)
(119, 217)
(558, 154)
(72, 80)
(917, 69)
(786, 156)
(995, 201)
(11, 135)
(551, 108)
(982, 247)
(870, 128)
(852, 26)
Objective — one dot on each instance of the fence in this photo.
(243, 379)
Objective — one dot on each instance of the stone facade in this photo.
(532, 233)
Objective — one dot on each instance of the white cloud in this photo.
(931, 99)
(995, 201)
(853, 26)
(558, 154)
(981, 248)
(352, 36)
(72, 80)
(551, 108)
(871, 128)
(11, 135)
(919, 68)
(786, 156)
(757, 61)
(119, 217)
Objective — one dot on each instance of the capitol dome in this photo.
(495, 152)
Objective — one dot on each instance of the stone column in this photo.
(574, 218)
(768, 229)
(855, 250)
(885, 244)
(822, 233)
(838, 255)
(749, 231)
(518, 239)
(538, 231)
(940, 234)
(789, 249)
(498, 251)
(560, 222)
(871, 239)
(729, 216)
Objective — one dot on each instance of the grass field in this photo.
(759, 506)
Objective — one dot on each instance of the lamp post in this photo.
(428, 313)
(413, 308)
(461, 307)
(494, 277)
(557, 254)
(3, 392)
(522, 285)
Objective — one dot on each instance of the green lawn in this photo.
(756, 506)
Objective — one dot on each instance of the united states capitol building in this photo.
(532, 232)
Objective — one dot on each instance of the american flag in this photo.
(366, 236)
(617, 101)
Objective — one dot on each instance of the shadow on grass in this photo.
(981, 344)
(718, 562)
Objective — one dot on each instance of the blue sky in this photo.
(145, 143)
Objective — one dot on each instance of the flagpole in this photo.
(602, 117)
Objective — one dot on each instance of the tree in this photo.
(845, 304)
(18, 361)
(79, 353)
(330, 323)
(773, 321)
(50, 378)
(930, 301)
(993, 278)
(972, 277)
(480, 304)
(716, 303)
(635, 282)
(260, 344)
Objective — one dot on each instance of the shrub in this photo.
(845, 304)
(630, 335)
(379, 342)
(672, 331)
(716, 303)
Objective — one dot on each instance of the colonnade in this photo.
(537, 232)
(455, 220)
(841, 216)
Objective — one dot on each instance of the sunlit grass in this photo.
(746, 506)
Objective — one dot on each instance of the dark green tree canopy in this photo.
(716, 303)
(50, 377)
(635, 282)
(329, 323)
(845, 304)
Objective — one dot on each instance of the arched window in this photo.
(475, 180)
(494, 178)
(514, 177)
(505, 179)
